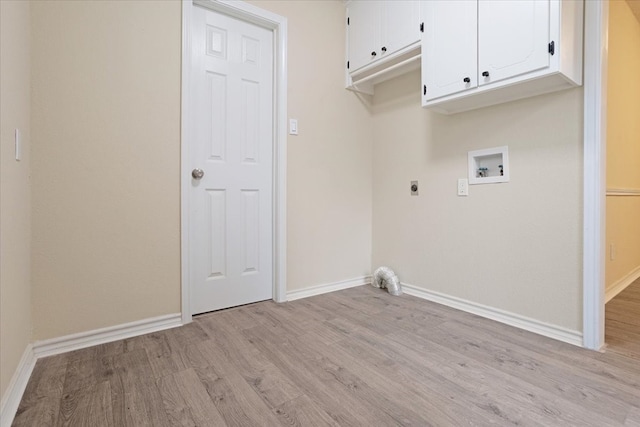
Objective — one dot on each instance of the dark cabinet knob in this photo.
(373, 53)
(485, 74)
(466, 80)
(384, 49)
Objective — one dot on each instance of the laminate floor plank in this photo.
(256, 369)
(561, 390)
(40, 412)
(462, 376)
(633, 418)
(365, 383)
(522, 361)
(433, 394)
(140, 405)
(351, 358)
(303, 412)
(89, 406)
(186, 400)
(47, 380)
(237, 399)
(328, 391)
(622, 323)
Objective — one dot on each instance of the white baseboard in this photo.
(502, 316)
(621, 284)
(100, 336)
(17, 385)
(328, 287)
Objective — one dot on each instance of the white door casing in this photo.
(253, 260)
(596, 32)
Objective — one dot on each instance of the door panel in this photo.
(512, 38)
(400, 24)
(450, 52)
(364, 32)
(232, 142)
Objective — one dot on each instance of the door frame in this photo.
(594, 199)
(278, 25)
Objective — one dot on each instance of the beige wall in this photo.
(106, 157)
(623, 143)
(515, 246)
(329, 162)
(15, 186)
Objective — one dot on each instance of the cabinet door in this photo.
(364, 33)
(449, 47)
(513, 38)
(400, 22)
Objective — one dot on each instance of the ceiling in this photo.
(635, 7)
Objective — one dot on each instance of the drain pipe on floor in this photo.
(384, 277)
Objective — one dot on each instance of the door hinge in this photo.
(552, 48)
(424, 89)
(422, 27)
(347, 20)
(347, 65)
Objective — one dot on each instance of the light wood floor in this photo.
(622, 322)
(358, 357)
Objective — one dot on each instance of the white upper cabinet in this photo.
(381, 35)
(451, 64)
(363, 29)
(477, 53)
(400, 25)
(513, 38)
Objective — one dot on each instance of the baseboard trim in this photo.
(502, 316)
(328, 287)
(621, 284)
(17, 386)
(67, 343)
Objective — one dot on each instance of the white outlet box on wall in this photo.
(489, 166)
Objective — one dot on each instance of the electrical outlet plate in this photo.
(463, 187)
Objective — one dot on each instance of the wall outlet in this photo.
(612, 252)
(463, 187)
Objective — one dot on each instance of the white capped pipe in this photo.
(384, 277)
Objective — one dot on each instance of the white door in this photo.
(400, 25)
(513, 38)
(230, 224)
(364, 33)
(450, 49)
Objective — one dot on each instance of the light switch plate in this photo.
(18, 145)
(293, 126)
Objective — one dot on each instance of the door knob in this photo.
(485, 74)
(197, 173)
(373, 53)
(466, 80)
